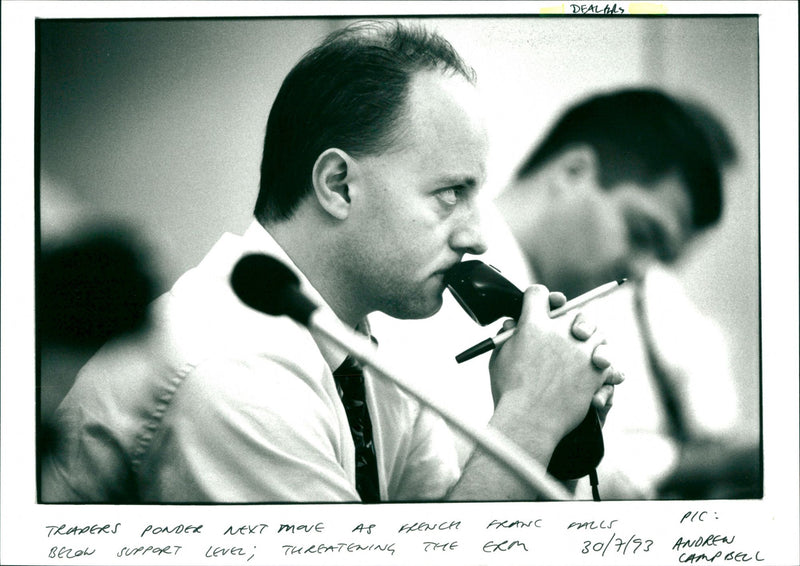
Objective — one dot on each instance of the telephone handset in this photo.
(487, 296)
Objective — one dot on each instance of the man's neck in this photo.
(313, 250)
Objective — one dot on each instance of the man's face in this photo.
(599, 235)
(414, 206)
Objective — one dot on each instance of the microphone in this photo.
(268, 286)
(265, 284)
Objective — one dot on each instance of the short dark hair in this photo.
(348, 93)
(641, 135)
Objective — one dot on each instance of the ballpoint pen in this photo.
(495, 341)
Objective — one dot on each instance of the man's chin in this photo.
(417, 310)
(432, 311)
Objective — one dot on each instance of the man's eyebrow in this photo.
(457, 181)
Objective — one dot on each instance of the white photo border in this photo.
(768, 526)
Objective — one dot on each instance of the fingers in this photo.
(508, 324)
(557, 299)
(604, 398)
(582, 329)
(602, 402)
(612, 376)
(601, 356)
(601, 359)
(536, 303)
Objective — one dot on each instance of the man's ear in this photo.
(330, 177)
(577, 168)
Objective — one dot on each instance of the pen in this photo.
(495, 341)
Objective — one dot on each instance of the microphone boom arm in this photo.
(268, 286)
(489, 439)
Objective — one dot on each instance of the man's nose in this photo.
(467, 237)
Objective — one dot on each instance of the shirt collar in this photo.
(257, 238)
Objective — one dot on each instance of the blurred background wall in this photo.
(159, 123)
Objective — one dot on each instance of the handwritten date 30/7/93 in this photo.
(618, 545)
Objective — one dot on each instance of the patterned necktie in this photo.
(350, 383)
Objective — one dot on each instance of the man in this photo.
(622, 183)
(621, 179)
(373, 157)
(621, 186)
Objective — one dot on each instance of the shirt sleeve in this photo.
(259, 430)
(431, 467)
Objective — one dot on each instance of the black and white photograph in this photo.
(308, 283)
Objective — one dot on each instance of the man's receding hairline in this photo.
(396, 136)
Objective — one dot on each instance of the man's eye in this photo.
(649, 237)
(449, 196)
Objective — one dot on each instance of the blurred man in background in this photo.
(623, 185)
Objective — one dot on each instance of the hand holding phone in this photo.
(487, 296)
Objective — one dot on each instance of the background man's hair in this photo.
(641, 135)
(347, 93)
